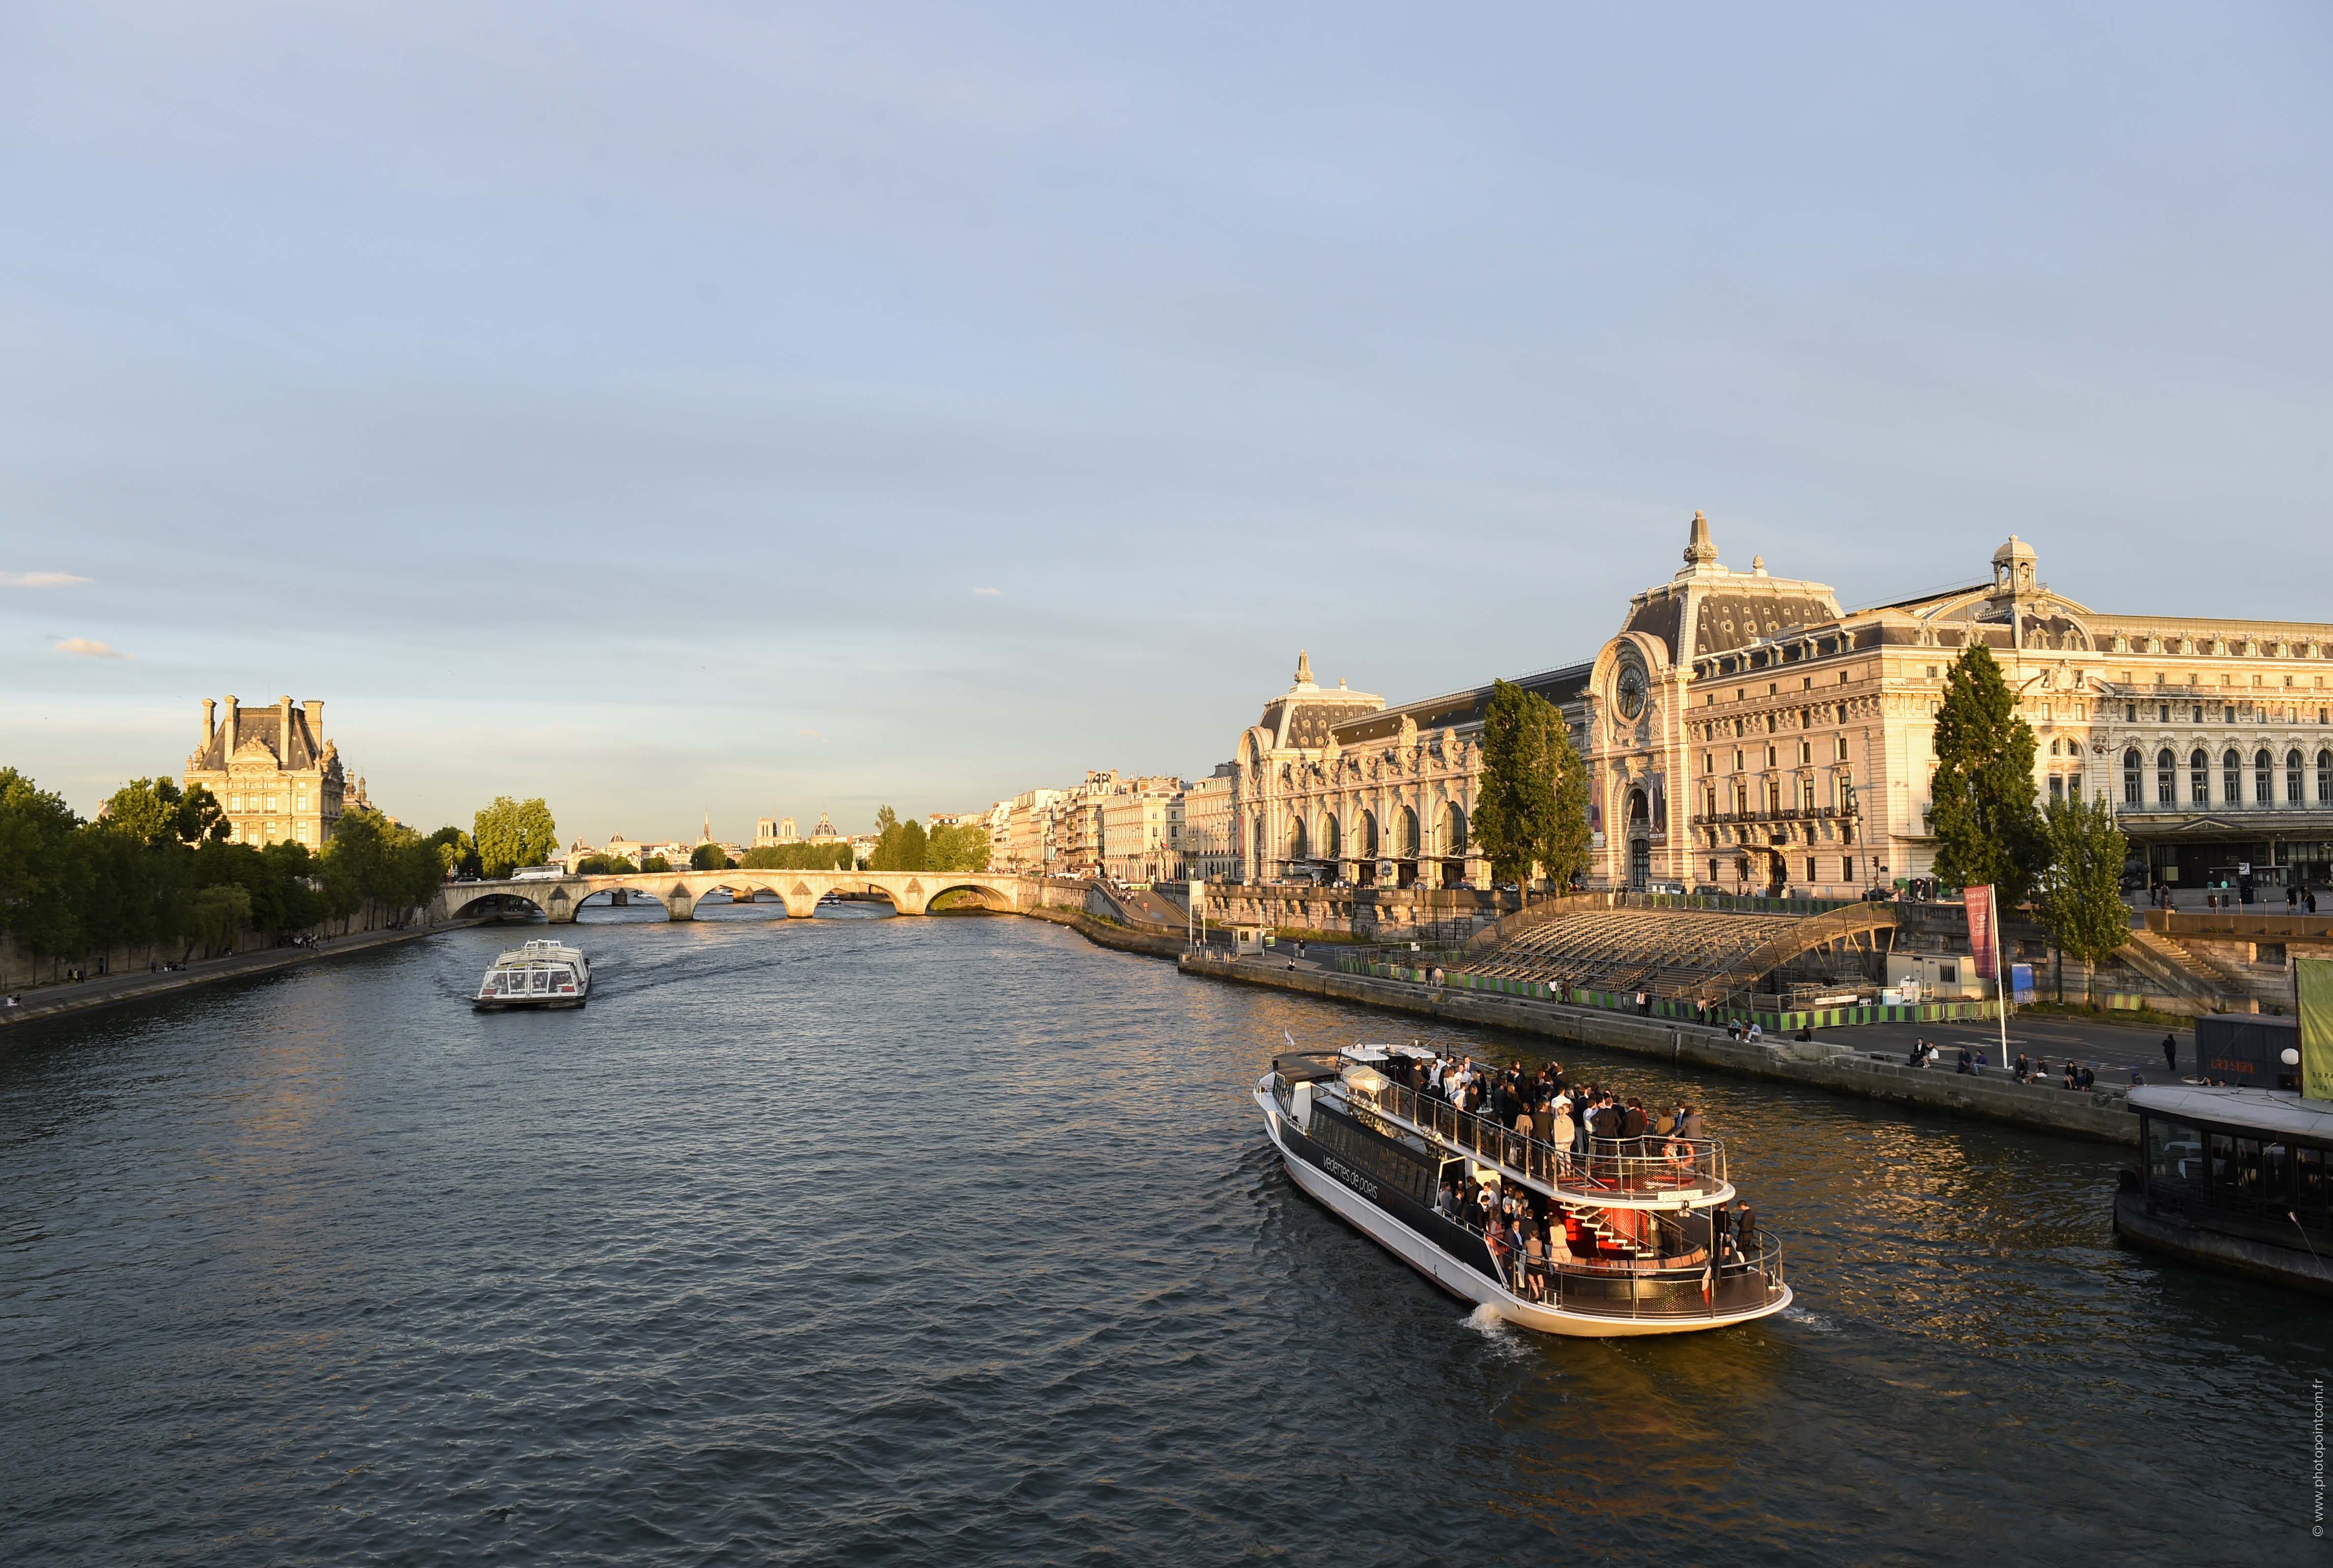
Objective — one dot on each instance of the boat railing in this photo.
(1744, 1274)
(1653, 1165)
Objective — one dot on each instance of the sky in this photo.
(687, 409)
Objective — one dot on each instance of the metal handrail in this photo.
(1612, 1167)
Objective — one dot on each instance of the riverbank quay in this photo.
(119, 989)
(1109, 933)
(2102, 1113)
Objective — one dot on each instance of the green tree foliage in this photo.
(654, 862)
(797, 857)
(1531, 808)
(155, 811)
(1987, 827)
(961, 848)
(604, 866)
(2081, 893)
(457, 855)
(509, 834)
(153, 870)
(708, 857)
(899, 846)
(42, 878)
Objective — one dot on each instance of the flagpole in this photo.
(2000, 971)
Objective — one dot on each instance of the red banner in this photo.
(1980, 924)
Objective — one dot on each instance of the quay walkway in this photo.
(1877, 1072)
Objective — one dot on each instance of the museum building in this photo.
(1742, 733)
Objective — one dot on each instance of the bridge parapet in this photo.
(909, 892)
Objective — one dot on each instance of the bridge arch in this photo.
(988, 898)
(474, 905)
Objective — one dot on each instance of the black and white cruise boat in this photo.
(542, 974)
(1645, 1246)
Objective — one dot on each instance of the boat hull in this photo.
(529, 1004)
(1469, 1284)
(2176, 1235)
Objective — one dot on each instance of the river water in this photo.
(956, 1239)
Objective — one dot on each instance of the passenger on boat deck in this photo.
(1690, 1125)
(1632, 1122)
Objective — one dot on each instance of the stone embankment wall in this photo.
(2101, 1113)
(21, 971)
(1368, 914)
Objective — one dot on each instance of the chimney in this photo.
(283, 731)
(315, 707)
(210, 721)
(232, 727)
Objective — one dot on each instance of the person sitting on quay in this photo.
(2024, 1068)
(1964, 1067)
(2071, 1073)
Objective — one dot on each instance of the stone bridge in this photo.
(909, 892)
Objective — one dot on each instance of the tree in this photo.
(961, 848)
(2081, 893)
(708, 857)
(654, 862)
(42, 878)
(1531, 806)
(457, 855)
(215, 914)
(1987, 828)
(510, 834)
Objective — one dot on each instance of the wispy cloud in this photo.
(988, 593)
(41, 580)
(86, 648)
(808, 734)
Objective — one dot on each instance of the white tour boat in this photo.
(543, 973)
(1647, 1246)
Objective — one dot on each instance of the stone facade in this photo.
(275, 775)
(1142, 831)
(1741, 731)
(1210, 843)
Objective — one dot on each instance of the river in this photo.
(956, 1239)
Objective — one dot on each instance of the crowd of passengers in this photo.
(1529, 1236)
(1545, 1104)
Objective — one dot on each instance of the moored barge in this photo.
(2233, 1179)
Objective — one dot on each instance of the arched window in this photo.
(2325, 777)
(2263, 778)
(1299, 841)
(1332, 840)
(2199, 776)
(1408, 833)
(1454, 829)
(2292, 795)
(2130, 766)
(2231, 778)
(1369, 835)
(2166, 773)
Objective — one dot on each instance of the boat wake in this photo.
(1813, 1320)
(1501, 1334)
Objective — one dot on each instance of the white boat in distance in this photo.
(1649, 1248)
(542, 974)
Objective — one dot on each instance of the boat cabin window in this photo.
(2175, 1154)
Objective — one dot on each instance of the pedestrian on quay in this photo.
(2170, 1053)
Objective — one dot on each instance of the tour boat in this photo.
(1651, 1250)
(540, 974)
(2235, 1179)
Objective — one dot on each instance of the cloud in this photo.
(808, 734)
(84, 648)
(988, 593)
(41, 580)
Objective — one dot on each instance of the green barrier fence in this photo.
(1772, 1022)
